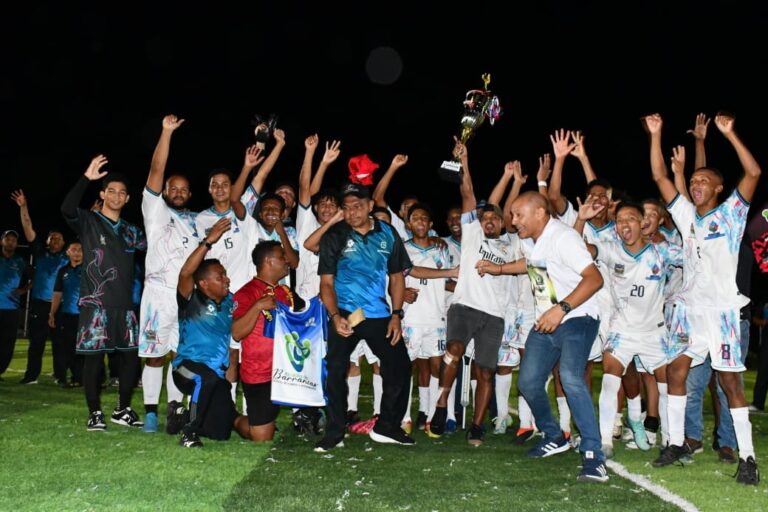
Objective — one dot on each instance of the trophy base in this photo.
(451, 171)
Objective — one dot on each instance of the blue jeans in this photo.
(570, 344)
(697, 382)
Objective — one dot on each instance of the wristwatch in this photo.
(565, 306)
(205, 242)
(398, 312)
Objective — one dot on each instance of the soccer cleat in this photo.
(753, 409)
(190, 440)
(638, 431)
(428, 431)
(380, 434)
(549, 447)
(305, 421)
(150, 423)
(747, 472)
(592, 469)
(327, 444)
(437, 425)
(725, 454)
(475, 435)
(364, 426)
(114, 382)
(670, 455)
(28, 381)
(407, 426)
(96, 422)
(693, 445)
(523, 434)
(421, 421)
(450, 426)
(127, 417)
(500, 425)
(177, 417)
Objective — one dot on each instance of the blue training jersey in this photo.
(68, 283)
(204, 331)
(46, 265)
(13, 273)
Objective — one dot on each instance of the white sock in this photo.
(174, 393)
(607, 406)
(242, 399)
(424, 398)
(743, 428)
(451, 401)
(473, 385)
(565, 414)
(663, 413)
(503, 385)
(634, 408)
(233, 393)
(353, 383)
(378, 388)
(434, 393)
(407, 416)
(676, 418)
(524, 410)
(152, 384)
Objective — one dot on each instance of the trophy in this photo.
(265, 127)
(479, 104)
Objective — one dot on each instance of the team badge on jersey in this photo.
(618, 269)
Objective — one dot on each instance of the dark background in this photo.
(76, 82)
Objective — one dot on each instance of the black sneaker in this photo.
(475, 435)
(522, 435)
(176, 418)
(394, 435)
(437, 425)
(747, 472)
(421, 421)
(303, 422)
(190, 440)
(127, 417)
(96, 422)
(592, 469)
(327, 444)
(25, 380)
(670, 455)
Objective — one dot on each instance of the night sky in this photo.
(80, 82)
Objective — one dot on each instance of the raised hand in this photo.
(332, 152)
(93, 171)
(589, 208)
(218, 229)
(517, 172)
(337, 217)
(653, 123)
(545, 168)
(459, 149)
(578, 140)
(253, 156)
(724, 123)
(19, 197)
(171, 122)
(678, 159)
(279, 136)
(311, 142)
(560, 144)
(96, 206)
(399, 160)
(699, 130)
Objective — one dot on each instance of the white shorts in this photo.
(596, 352)
(508, 355)
(713, 332)
(362, 349)
(424, 342)
(650, 348)
(158, 322)
(516, 329)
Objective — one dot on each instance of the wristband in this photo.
(333, 315)
(207, 244)
(542, 183)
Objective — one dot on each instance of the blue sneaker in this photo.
(150, 422)
(450, 426)
(548, 447)
(592, 469)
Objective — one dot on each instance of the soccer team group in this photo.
(525, 280)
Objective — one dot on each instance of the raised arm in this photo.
(468, 200)
(517, 184)
(261, 176)
(542, 175)
(312, 243)
(678, 171)
(562, 149)
(580, 152)
(160, 156)
(26, 221)
(75, 195)
(748, 182)
(498, 191)
(252, 159)
(667, 189)
(305, 195)
(699, 133)
(587, 211)
(332, 152)
(380, 191)
(291, 254)
(186, 280)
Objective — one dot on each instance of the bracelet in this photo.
(542, 183)
(500, 268)
(333, 315)
(207, 244)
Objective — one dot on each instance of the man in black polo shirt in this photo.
(356, 256)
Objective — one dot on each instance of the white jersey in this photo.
(637, 284)
(671, 235)
(171, 238)
(569, 216)
(454, 258)
(487, 293)
(430, 306)
(521, 296)
(400, 227)
(595, 235)
(711, 251)
(234, 247)
(263, 235)
(555, 263)
(307, 279)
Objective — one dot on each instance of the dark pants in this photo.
(761, 382)
(38, 333)
(211, 412)
(93, 371)
(395, 374)
(64, 338)
(9, 325)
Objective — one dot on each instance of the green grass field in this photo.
(50, 462)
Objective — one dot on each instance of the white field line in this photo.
(651, 487)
